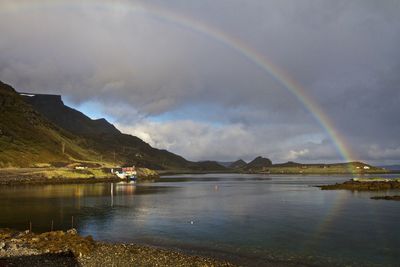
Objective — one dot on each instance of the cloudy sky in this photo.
(164, 71)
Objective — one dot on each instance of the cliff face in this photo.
(53, 108)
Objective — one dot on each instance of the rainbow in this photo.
(235, 44)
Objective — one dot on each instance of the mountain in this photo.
(53, 108)
(238, 164)
(207, 165)
(27, 138)
(38, 129)
(102, 137)
(258, 164)
(226, 164)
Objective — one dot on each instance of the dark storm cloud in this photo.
(139, 67)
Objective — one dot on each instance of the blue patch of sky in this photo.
(91, 109)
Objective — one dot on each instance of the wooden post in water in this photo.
(72, 222)
(30, 226)
(52, 225)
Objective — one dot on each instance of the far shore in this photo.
(272, 172)
(38, 176)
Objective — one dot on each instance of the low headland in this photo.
(59, 248)
(368, 184)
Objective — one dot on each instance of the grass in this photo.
(73, 174)
(376, 179)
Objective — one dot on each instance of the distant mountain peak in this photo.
(259, 163)
(237, 164)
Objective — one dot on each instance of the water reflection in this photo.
(254, 216)
(42, 204)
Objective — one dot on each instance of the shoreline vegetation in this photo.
(59, 248)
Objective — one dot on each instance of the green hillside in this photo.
(28, 139)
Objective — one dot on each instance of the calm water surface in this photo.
(246, 218)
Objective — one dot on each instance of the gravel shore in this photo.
(60, 248)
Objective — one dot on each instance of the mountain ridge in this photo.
(103, 137)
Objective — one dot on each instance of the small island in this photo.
(395, 198)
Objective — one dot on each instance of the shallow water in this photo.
(249, 219)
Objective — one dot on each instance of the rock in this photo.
(13, 246)
(2, 245)
(72, 231)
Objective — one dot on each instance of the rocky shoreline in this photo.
(364, 185)
(395, 198)
(60, 248)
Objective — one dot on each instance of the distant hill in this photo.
(288, 164)
(238, 164)
(258, 164)
(226, 164)
(207, 165)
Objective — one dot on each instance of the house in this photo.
(80, 167)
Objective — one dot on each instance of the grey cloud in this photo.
(343, 53)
